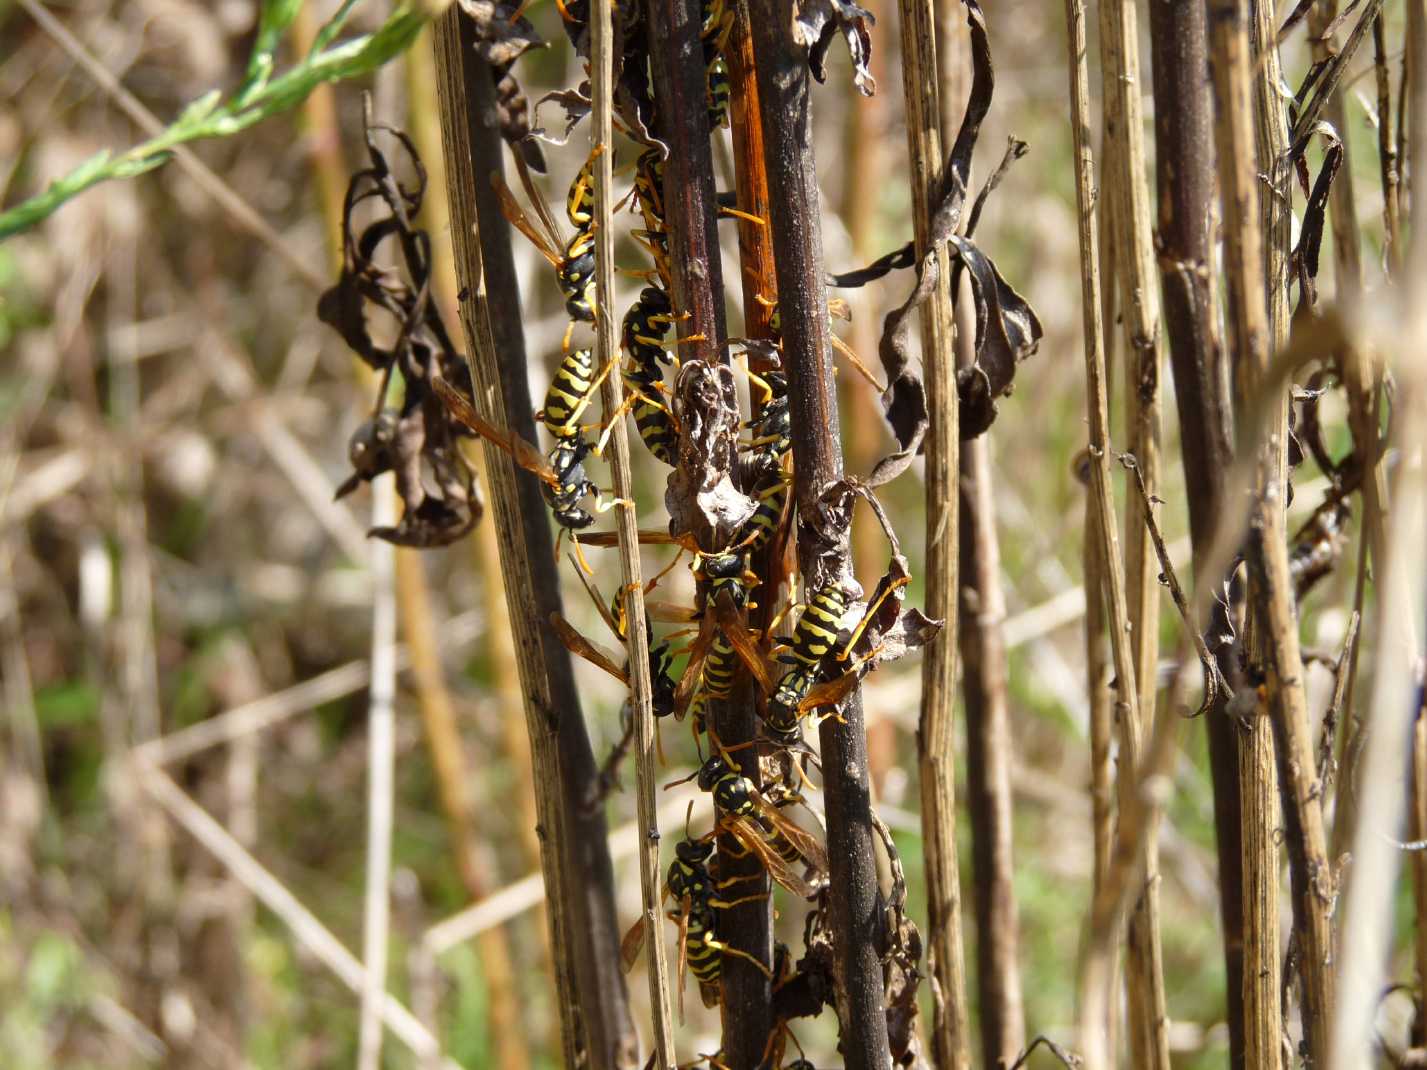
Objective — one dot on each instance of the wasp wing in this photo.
(461, 410)
(751, 836)
(578, 645)
(735, 630)
(806, 844)
(515, 215)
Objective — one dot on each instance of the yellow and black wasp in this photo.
(745, 812)
(689, 883)
(574, 261)
(562, 472)
(645, 325)
(661, 654)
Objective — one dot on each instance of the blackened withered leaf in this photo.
(816, 23)
(1310, 236)
(416, 443)
(888, 631)
(500, 40)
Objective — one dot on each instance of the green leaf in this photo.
(259, 97)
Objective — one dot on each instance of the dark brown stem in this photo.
(747, 993)
(590, 990)
(988, 762)
(1184, 148)
(677, 61)
(784, 99)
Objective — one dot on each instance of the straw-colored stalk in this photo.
(590, 991)
(1104, 530)
(951, 1042)
(626, 529)
(1131, 253)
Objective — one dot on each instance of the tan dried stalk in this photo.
(626, 529)
(1102, 761)
(590, 990)
(1255, 328)
(936, 747)
(1093, 1039)
(1132, 254)
(1367, 914)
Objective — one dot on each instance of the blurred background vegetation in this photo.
(173, 421)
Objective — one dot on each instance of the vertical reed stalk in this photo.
(1102, 733)
(1347, 235)
(936, 747)
(785, 102)
(1275, 634)
(626, 528)
(381, 775)
(982, 607)
(1132, 253)
(1417, 830)
(747, 993)
(1402, 593)
(590, 991)
(1184, 152)
(1101, 493)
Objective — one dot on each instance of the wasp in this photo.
(689, 883)
(573, 261)
(645, 325)
(719, 93)
(746, 810)
(837, 308)
(661, 654)
(562, 473)
(571, 392)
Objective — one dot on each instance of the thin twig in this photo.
(381, 766)
(590, 988)
(1132, 255)
(627, 528)
(785, 102)
(1184, 152)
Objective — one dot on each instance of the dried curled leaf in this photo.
(1007, 328)
(817, 22)
(501, 39)
(416, 440)
(1304, 262)
(702, 497)
(576, 104)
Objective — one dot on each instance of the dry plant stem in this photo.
(1249, 326)
(988, 762)
(381, 768)
(746, 1000)
(590, 991)
(1185, 180)
(936, 747)
(1271, 593)
(274, 895)
(784, 100)
(1132, 252)
(1417, 830)
(242, 213)
(1387, 149)
(982, 643)
(1140, 810)
(691, 213)
(1367, 913)
(1104, 529)
(1102, 763)
(637, 638)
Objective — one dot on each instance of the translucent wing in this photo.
(510, 208)
(631, 945)
(807, 845)
(697, 652)
(751, 836)
(526, 455)
(607, 539)
(598, 599)
(828, 692)
(578, 645)
(541, 208)
(741, 639)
